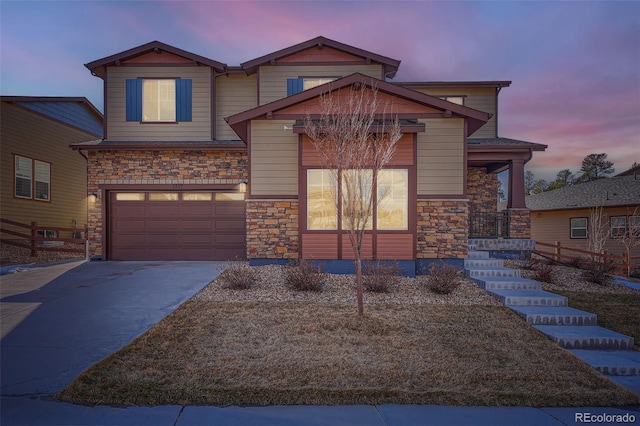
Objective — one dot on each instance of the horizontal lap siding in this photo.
(403, 155)
(234, 94)
(320, 246)
(481, 98)
(274, 158)
(551, 226)
(33, 136)
(199, 129)
(395, 246)
(441, 157)
(367, 247)
(273, 79)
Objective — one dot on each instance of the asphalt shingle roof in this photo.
(615, 191)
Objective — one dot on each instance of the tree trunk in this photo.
(359, 284)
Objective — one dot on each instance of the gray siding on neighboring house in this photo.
(274, 158)
(235, 93)
(273, 79)
(33, 136)
(441, 161)
(199, 129)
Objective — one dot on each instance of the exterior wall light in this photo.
(242, 186)
(93, 197)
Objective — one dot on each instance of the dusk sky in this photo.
(575, 66)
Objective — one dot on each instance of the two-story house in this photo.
(202, 161)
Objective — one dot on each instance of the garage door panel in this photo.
(176, 230)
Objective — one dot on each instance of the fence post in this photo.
(557, 251)
(34, 236)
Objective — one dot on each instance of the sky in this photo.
(574, 66)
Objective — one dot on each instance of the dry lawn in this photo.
(295, 352)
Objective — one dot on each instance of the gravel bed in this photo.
(12, 255)
(566, 278)
(342, 289)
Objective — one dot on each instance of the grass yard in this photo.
(618, 312)
(296, 352)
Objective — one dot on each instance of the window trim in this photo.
(572, 228)
(617, 234)
(32, 179)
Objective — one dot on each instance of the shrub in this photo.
(529, 264)
(599, 273)
(575, 262)
(379, 277)
(544, 273)
(238, 276)
(303, 275)
(635, 273)
(442, 279)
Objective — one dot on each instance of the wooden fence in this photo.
(29, 238)
(560, 253)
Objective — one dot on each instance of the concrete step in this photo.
(613, 363)
(528, 298)
(494, 271)
(507, 283)
(482, 263)
(474, 254)
(555, 315)
(586, 337)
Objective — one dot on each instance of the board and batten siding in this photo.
(440, 157)
(551, 226)
(273, 79)
(481, 98)
(235, 93)
(33, 136)
(119, 129)
(273, 158)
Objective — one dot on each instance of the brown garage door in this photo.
(176, 226)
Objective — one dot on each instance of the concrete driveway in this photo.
(59, 320)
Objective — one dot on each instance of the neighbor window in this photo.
(151, 100)
(579, 227)
(634, 225)
(618, 226)
(32, 179)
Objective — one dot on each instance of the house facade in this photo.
(201, 160)
(44, 181)
(565, 215)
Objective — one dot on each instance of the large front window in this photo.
(159, 100)
(391, 199)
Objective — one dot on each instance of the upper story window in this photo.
(32, 179)
(158, 100)
(297, 85)
(459, 100)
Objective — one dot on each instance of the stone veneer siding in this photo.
(519, 223)
(443, 229)
(137, 168)
(482, 190)
(272, 229)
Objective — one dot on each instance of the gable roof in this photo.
(76, 112)
(616, 191)
(630, 172)
(390, 66)
(98, 67)
(475, 118)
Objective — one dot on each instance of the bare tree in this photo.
(630, 238)
(597, 232)
(355, 139)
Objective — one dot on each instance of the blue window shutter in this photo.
(134, 100)
(183, 99)
(294, 85)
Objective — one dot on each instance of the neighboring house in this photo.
(43, 180)
(186, 135)
(564, 214)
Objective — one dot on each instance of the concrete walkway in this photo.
(62, 319)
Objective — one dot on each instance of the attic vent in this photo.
(572, 205)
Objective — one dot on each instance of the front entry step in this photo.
(586, 337)
(614, 363)
(556, 315)
(512, 298)
(495, 271)
(483, 263)
(507, 283)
